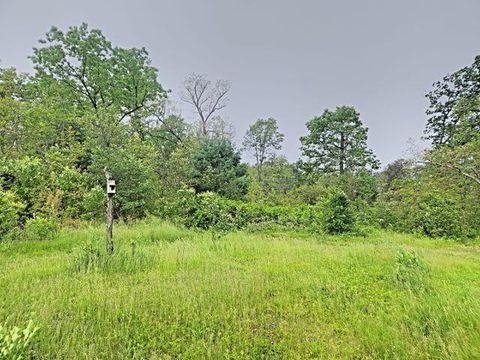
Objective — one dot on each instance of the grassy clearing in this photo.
(173, 293)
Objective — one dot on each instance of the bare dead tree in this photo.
(206, 97)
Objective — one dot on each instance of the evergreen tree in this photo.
(337, 142)
(217, 167)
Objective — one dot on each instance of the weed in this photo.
(411, 270)
(15, 342)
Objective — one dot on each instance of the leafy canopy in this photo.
(454, 110)
(262, 139)
(337, 142)
(94, 74)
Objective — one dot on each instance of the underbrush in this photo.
(336, 214)
(209, 211)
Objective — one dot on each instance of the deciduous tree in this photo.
(261, 140)
(206, 97)
(109, 84)
(454, 110)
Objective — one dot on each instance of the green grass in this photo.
(170, 293)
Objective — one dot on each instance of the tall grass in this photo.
(181, 294)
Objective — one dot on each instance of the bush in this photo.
(94, 204)
(39, 228)
(429, 213)
(338, 215)
(205, 211)
(210, 211)
(439, 216)
(213, 213)
(15, 343)
(10, 210)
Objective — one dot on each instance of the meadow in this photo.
(171, 293)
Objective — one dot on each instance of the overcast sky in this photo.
(286, 59)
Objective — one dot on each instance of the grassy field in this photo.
(170, 293)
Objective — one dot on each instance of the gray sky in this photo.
(286, 59)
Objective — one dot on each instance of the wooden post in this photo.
(109, 224)
(111, 189)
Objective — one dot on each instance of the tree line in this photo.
(90, 105)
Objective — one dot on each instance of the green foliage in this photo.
(205, 211)
(10, 210)
(362, 186)
(454, 111)
(411, 270)
(338, 214)
(277, 184)
(337, 142)
(437, 199)
(210, 211)
(261, 140)
(94, 204)
(39, 228)
(217, 167)
(91, 105)
(132, 169)
(428, 213)
(15, 344)
(96, 74)
(395, 172)
(462, 160)
(47, 186)
(29, 178)
(438, 216)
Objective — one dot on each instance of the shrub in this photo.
(205, 211)
(40, 228)
(213, 213)
(15, 343)
(29, 179)
(10, 210)
(439, 216)
(93, 204)
(71, 184)
(210, 211)
(431, 206)
(338, 215)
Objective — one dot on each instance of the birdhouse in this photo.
(111, 187)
